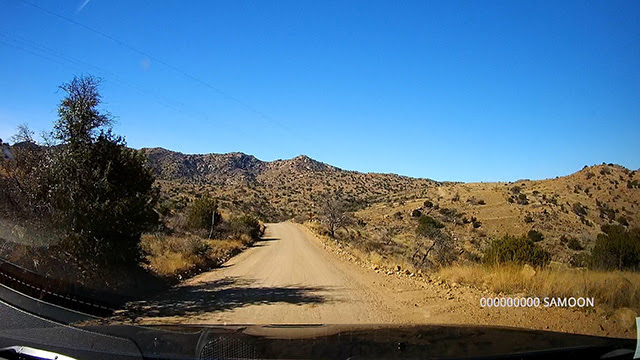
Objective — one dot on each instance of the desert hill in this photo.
(573, 206)
(274, 190)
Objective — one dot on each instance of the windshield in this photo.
(349, 163)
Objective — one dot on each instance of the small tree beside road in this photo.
(333, 213)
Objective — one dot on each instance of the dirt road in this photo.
(286, 278)
(292, 277)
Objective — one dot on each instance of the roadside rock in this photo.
(528, 272)
(625, 317)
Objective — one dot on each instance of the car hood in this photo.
(318, 341)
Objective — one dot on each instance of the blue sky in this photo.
(466, 91)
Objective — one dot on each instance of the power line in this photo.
(62, 59)
(172, 67)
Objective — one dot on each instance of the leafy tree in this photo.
(203, 214)
(103, 193)
(616, 248)
(94, 190)
(79, 119)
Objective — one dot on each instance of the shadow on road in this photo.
(264, 242)
(222, 295)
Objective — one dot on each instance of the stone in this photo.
(625, 317)
(528, 272)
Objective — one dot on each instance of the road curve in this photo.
(288, 277)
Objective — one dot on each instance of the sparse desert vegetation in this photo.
(163, 216)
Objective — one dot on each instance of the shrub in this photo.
(585, 221)
(617, 248)
(535, 236)
(247, 225)
(623, 221)
(574, 244)
(441, 249)
(450, 213)
(515, 250)
(522, 199)
(473, 201)
(203, 213)
(428, 225)
(188, 255)
(579, 209)
(606, 211)
(581, 259)
(428, 204)
(528, 219)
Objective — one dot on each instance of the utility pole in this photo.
(213, 222)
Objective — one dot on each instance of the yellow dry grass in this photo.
(614, 289)
(172, 255)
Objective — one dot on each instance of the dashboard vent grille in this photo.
(227, 348)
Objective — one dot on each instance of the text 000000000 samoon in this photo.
(536, 302)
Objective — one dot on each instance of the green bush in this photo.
(535, 236)
(247, 225)
(515, 250)
(623, 221)
(522, 199)
(202, 212)
(581, 259)
(605, 211)
(109, 202)
(427, 225)
(617, 248)
(574, 244)
(580, 209)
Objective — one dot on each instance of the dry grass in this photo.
(389, 261)
(614, 289)
(173, 256)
